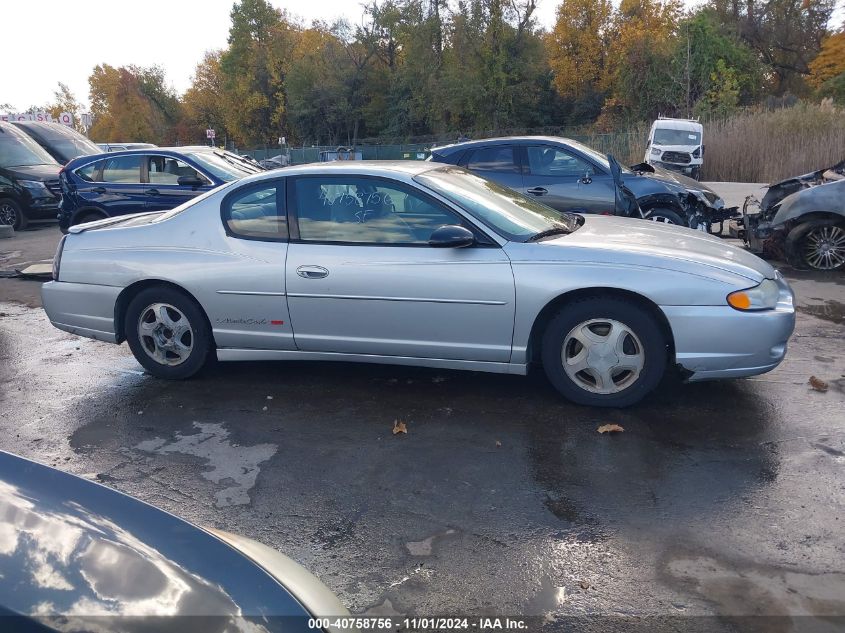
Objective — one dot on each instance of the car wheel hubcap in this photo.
(824, 247)
(165, 334)
(8, 215)
(602, 356)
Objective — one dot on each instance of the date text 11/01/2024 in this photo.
(420, 624)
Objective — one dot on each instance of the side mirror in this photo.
(451, 236)
(190, 181)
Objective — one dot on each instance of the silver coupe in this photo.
(418, 263)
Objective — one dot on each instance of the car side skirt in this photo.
(227, 354)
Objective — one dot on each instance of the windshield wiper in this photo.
(557, 230)
(242, 164)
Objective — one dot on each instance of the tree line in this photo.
(420, 69)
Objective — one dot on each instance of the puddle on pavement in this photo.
(234, 466)
(748, 589)
(829, 310)
(424, 547)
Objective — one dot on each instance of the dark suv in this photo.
(61, 142)
(135, 181)
(29, 179)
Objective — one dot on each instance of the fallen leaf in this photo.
(399, 427)
(585, 584)
(498, 443)
(818, 384)
(610, 428)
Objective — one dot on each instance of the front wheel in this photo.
(11, 214)
(664, 216)
(818, 244)
(605, 352)
(167, 333)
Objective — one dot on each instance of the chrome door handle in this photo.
(312, 272)
(538, 191)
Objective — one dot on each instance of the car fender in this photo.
(828, 199)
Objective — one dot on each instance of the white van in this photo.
(676, 144)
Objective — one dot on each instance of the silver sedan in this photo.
(416, 263)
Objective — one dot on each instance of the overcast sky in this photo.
(56, 40)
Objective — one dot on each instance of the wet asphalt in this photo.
(718, 499)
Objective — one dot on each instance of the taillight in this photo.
(57, 259)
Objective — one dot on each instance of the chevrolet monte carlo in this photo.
(417, 263)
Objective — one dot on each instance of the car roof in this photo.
(678, 124)
(499, 140)
(408, 168)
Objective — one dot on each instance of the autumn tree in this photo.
(639, 73)
(131, 103)
(65, 101)
(830, 61)
(203, 101)
(578, 45)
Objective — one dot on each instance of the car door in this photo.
(499, 163)
(246, 302)
(120, 189)
(362, 279)
(162, 174)
(567, 181)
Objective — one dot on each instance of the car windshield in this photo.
(223, 165)
(187, 205)
(68, 143)
(18, 150)
(663, 136)
(509, 213)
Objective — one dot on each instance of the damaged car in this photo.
(800, 219)
(572, 177)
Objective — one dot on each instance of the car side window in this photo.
(358, 210)
(499, 158)
(89, 172)
(553, 161)
(257, 212)
(166, 170)
(122, 170)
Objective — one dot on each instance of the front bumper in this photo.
(82, 309)
(721, 342)
(683, 168)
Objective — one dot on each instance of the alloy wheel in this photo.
(166, 334)
(8, 214)
(602, 356)
(824, 247)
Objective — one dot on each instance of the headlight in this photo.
(36, 188)
(761, 297)
(655, 151)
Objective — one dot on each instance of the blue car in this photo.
(135, 181)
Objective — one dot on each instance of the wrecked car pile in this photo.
(801, 219)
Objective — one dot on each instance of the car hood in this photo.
(633, 241)
(34, 172)
(73, 546)
(645, 179)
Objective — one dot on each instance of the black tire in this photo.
(87, 216)
(11, 213)
(664, 216)
(800, 241)
(648, 339)
(200, 338)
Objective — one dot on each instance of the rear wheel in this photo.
(818, 244)
(606, 352)
(11, 214)
(167, 332)
(664, 216)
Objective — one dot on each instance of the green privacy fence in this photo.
(300, 155)
(627, 146)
